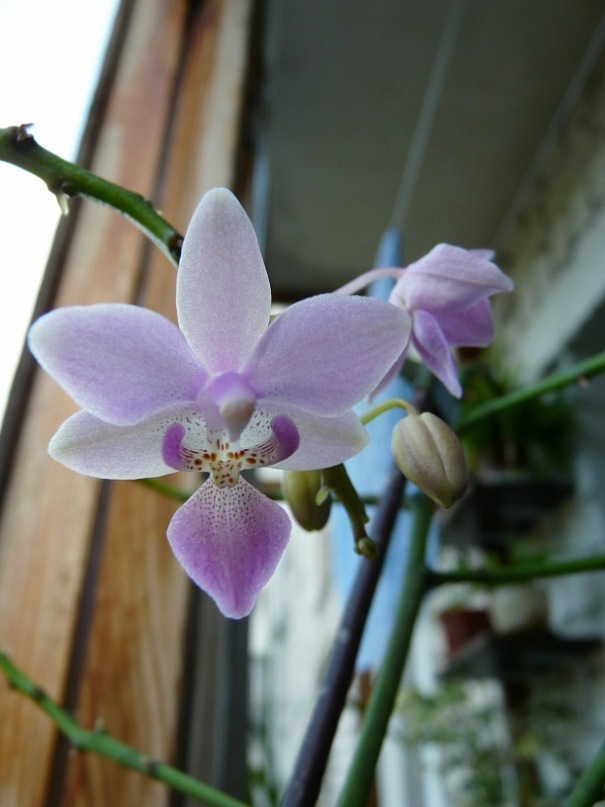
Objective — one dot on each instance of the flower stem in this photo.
(103, 744)
(384, 692)
(166, 490)
(65, 180)
(182, 495)
(366, 278)
(337, 480)
(392, 403)
(519, 573)
(590, 787)
(305, 782)
(575, 374)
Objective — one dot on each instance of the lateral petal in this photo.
(391, 374)
(229, 541)
(120, 362)
(434, 350)
(93, 447)
(324, 441)
(222, 291)
(325, 354)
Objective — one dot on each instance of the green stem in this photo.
(272, 493)
(519, 573)
(101, 743)
(384, 692)
(590, 787)
(578, 372)
(65, 179)
(337, 480)
(392, 403)
(166, 490)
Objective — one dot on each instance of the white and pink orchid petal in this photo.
(473, 327)
(324, 441)
(325, 354)
(434, 350)
(229, 541)
(283, 442)
(120, 362)
(449, 278)
(391, 374)
(96, 448)
(488, 254)
(222, 291)
(176, 456)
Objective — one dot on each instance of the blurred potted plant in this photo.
(533, 436)
(519, 459)
(461, 625)
(488, 750)
(463, 616)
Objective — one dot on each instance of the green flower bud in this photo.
(300, 489)
(430, 455)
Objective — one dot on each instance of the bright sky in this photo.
(50, 55)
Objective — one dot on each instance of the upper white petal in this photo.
(223, 294)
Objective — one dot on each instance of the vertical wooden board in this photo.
(131, 678)
(132, 675)
(209, 107)
(49, 512)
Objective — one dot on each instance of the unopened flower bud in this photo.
(300, 489)
(430, 455)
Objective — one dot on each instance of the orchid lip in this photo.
(224, 459)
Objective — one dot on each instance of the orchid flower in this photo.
(445, 294)
(224, 393)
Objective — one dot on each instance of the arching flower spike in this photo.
(223, 394)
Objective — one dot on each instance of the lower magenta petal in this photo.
(229, 541)
(171, 447)
(431, 344)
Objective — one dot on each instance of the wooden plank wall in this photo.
(92, 604)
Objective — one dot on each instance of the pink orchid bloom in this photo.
(445, 293)
(224, 393)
